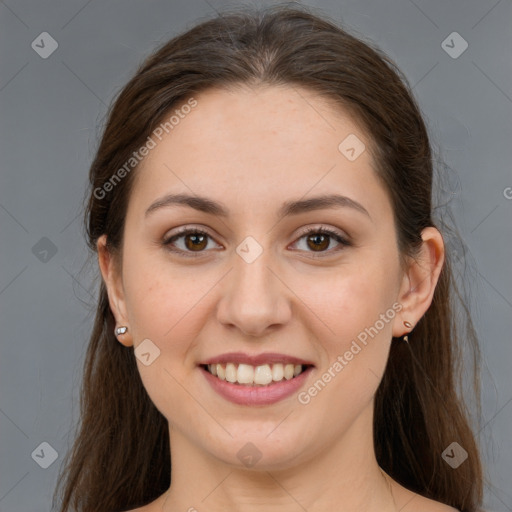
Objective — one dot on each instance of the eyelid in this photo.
(342, 239)
(320, 228)
(181, 232)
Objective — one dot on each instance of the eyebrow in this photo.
(206, 205)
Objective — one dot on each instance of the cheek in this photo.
(161, 300)
(350, 300)
(165, 307)
(356, 312)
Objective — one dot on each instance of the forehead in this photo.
(258, 146)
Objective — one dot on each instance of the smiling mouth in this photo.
(262, 375)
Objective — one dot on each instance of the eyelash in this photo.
(196, 231)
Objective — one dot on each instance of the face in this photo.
(258, 285)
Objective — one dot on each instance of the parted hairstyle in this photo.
(120, 457)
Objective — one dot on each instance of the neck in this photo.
(343, 477)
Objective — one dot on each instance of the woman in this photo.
(274, 320)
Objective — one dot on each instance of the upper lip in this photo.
(255, 360)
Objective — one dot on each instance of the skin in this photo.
(253, 149)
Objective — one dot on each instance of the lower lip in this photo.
(242, 394)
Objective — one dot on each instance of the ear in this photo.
(420, 280)
(113, 281)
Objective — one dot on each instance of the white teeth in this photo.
(255, 375)
(263, 375)
(245, 374)
(277, 372)
(231, 372)
(288, 371)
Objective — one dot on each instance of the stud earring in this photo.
(121, 330)
(408, 325)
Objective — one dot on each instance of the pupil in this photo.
(197, 240)
(317, 239)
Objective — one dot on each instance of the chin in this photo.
(260, 451)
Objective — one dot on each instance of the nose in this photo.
(254, 298)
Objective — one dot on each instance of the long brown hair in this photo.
(120, 458)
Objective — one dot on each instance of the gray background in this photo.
(51, 112)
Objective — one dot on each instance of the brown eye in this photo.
(318, 241)
(190, 241)
(195, 241)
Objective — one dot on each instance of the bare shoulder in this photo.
(422, 504)
(408, 501)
